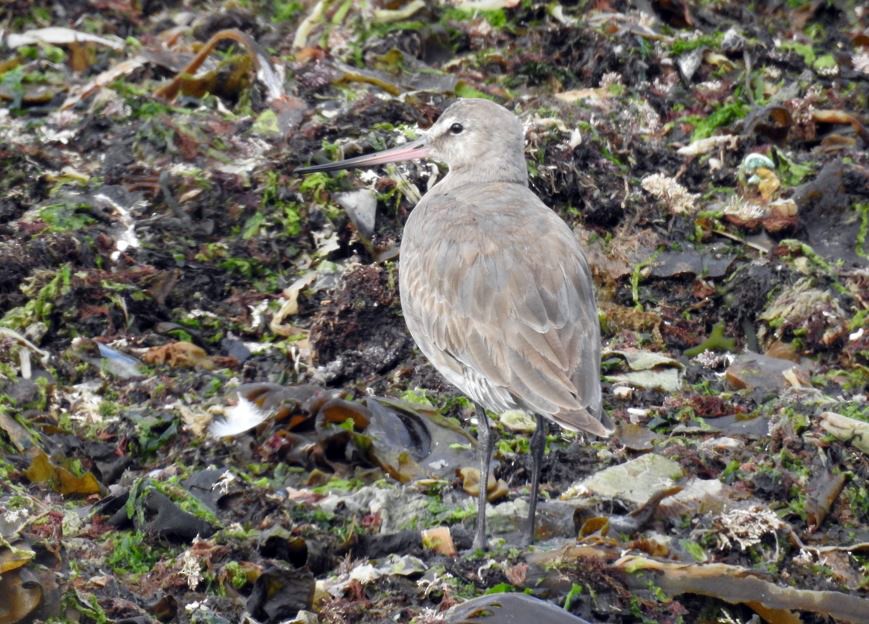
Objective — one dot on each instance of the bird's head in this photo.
(476, 138)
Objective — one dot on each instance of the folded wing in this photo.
(510, 318)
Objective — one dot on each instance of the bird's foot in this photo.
(527, 538)
(480, 542)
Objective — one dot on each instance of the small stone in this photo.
(637, 438)
(519, 421)
(623, 393)
(721, 443)
(733, 41)
(361, 207)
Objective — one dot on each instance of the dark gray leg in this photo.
(538, 444)
(485, 443)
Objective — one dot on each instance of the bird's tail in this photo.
(584, 420)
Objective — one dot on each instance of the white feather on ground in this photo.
(237, 419)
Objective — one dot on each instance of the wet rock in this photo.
(733, 41)
(633, 481)
(623, 393)
(397, 507)
(698, 496)
(555, 518)
(690, 62)
(756, 372)
(636, 437)
(21, 391)
(361, 207)
(236, 349)
(508, 517)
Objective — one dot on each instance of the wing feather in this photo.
(496, 292)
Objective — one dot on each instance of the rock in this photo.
(634, 481)
(753, 371)
(623, 393)
(637, 437)
(518, 421)
(508, 517)
(555, 518)
(699, 496)
(361, 207)
(398, 507)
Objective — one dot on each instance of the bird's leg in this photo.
(538, 444)
(485, 442)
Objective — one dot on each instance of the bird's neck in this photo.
(482, 173)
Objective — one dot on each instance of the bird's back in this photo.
(497, 294)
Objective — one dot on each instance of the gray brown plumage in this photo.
(495, 288)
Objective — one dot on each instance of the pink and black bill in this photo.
(409, 151)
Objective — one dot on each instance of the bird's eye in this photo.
(456, 128)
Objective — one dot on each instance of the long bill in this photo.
(409, 151)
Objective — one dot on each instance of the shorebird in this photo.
(495, 288)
